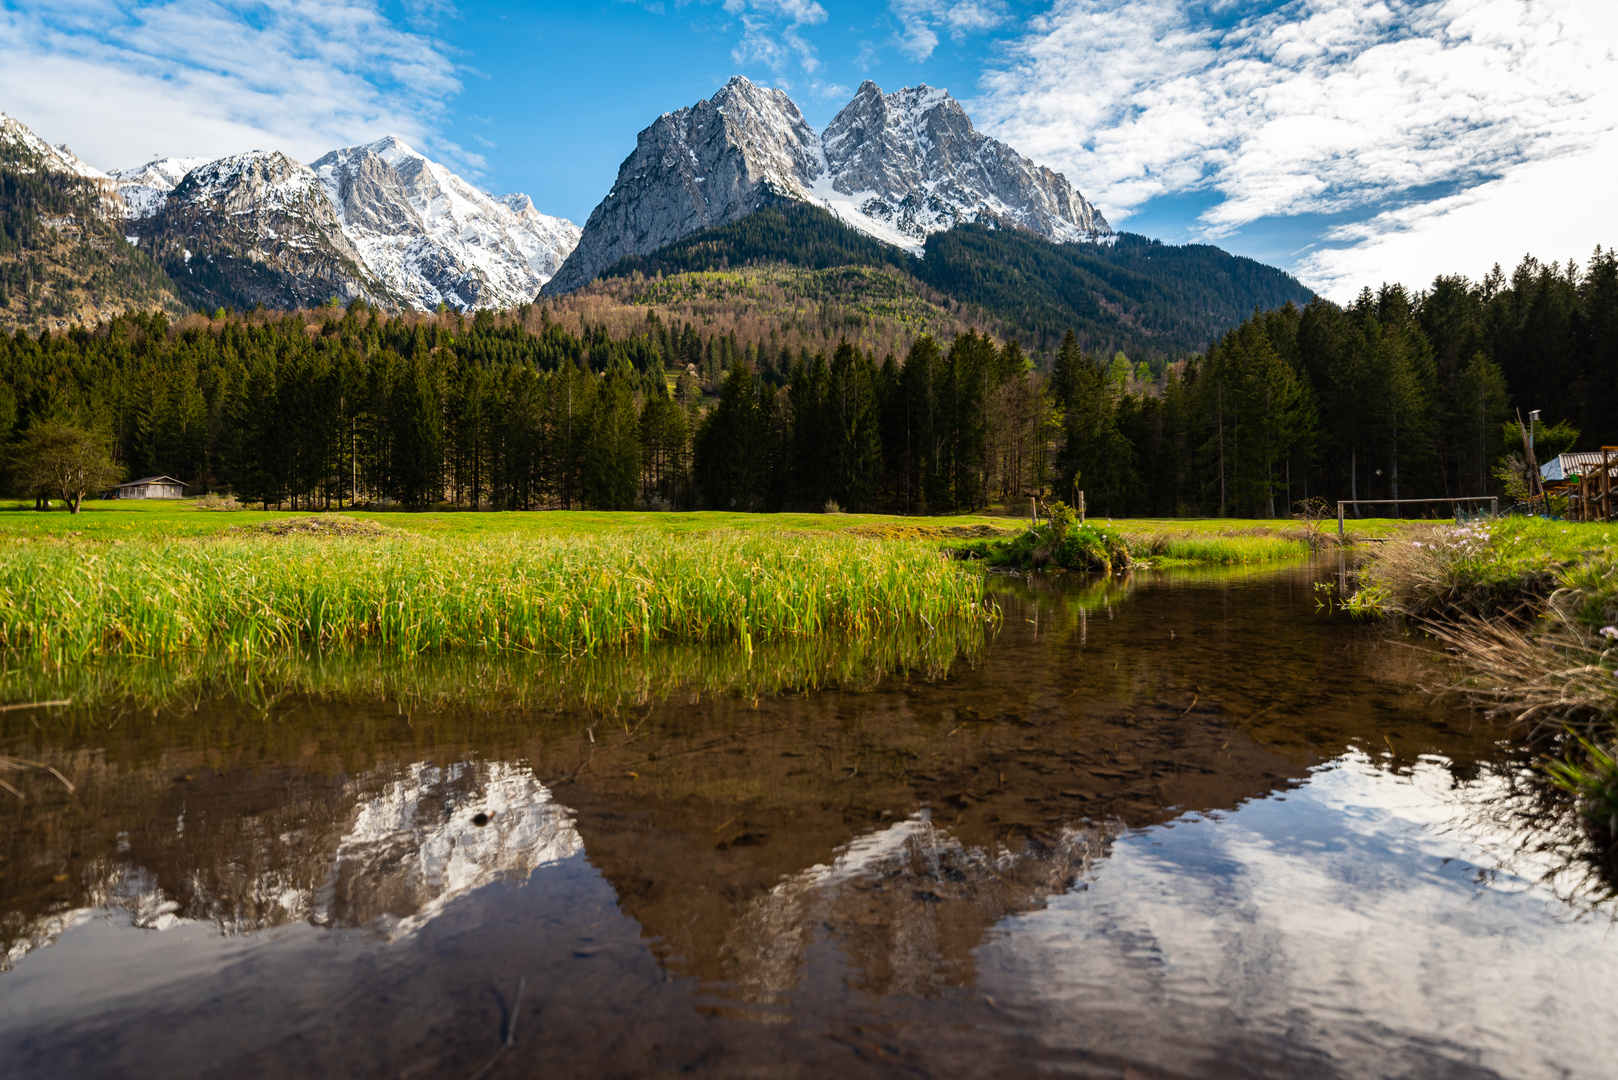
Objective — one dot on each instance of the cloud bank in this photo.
(1340, 107)
(123, 83)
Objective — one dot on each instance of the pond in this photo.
(1176, 824)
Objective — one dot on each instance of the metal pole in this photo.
(1606, 482)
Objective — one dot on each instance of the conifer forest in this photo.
(1395, 395)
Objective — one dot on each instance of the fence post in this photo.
(1339, 523)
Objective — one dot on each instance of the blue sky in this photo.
(1349, 141)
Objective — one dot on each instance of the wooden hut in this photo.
(1589, 479)
(149, 487)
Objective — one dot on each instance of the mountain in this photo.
(902, 166)
(897, 167)
(1139, 295)
(429, 237)
(256, 228)
(379, 222)
(64, 259)
(144, 187)
(703, 166)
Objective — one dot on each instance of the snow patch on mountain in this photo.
(144, 187)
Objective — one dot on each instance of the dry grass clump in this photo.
(908, 531)
(324, 525)
(1539, 666)
(1438, 571)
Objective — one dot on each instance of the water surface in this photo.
(1175, 825)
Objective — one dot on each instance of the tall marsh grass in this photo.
(65, 601)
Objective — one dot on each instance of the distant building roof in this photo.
(143, 481)
(1564, 465)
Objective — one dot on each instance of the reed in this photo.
(63, 602)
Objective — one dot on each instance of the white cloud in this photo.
(123, 83)
(1557, 209)
(763, 43)
(920, 21)
(1317, 106)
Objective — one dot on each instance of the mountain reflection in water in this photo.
(1183, 825)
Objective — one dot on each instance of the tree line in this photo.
(1393, 395)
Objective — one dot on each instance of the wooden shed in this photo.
(1589, 480)
(150, 487)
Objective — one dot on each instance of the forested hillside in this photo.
(63, 259)
(1147, 298)
(1151, 300)
(1395, 395)
(792, 232)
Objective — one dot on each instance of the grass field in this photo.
(131, 519)
(69, 599)
(161, 579)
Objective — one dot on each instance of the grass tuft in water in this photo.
(1062, 541)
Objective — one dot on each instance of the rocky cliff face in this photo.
(702, 166)
(256, 228)
(896, 166)
(430, 237)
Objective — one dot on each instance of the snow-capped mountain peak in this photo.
(433, 238)
(910, 163)
(895, 166)
(704, 165)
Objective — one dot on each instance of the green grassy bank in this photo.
(1529, 609)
